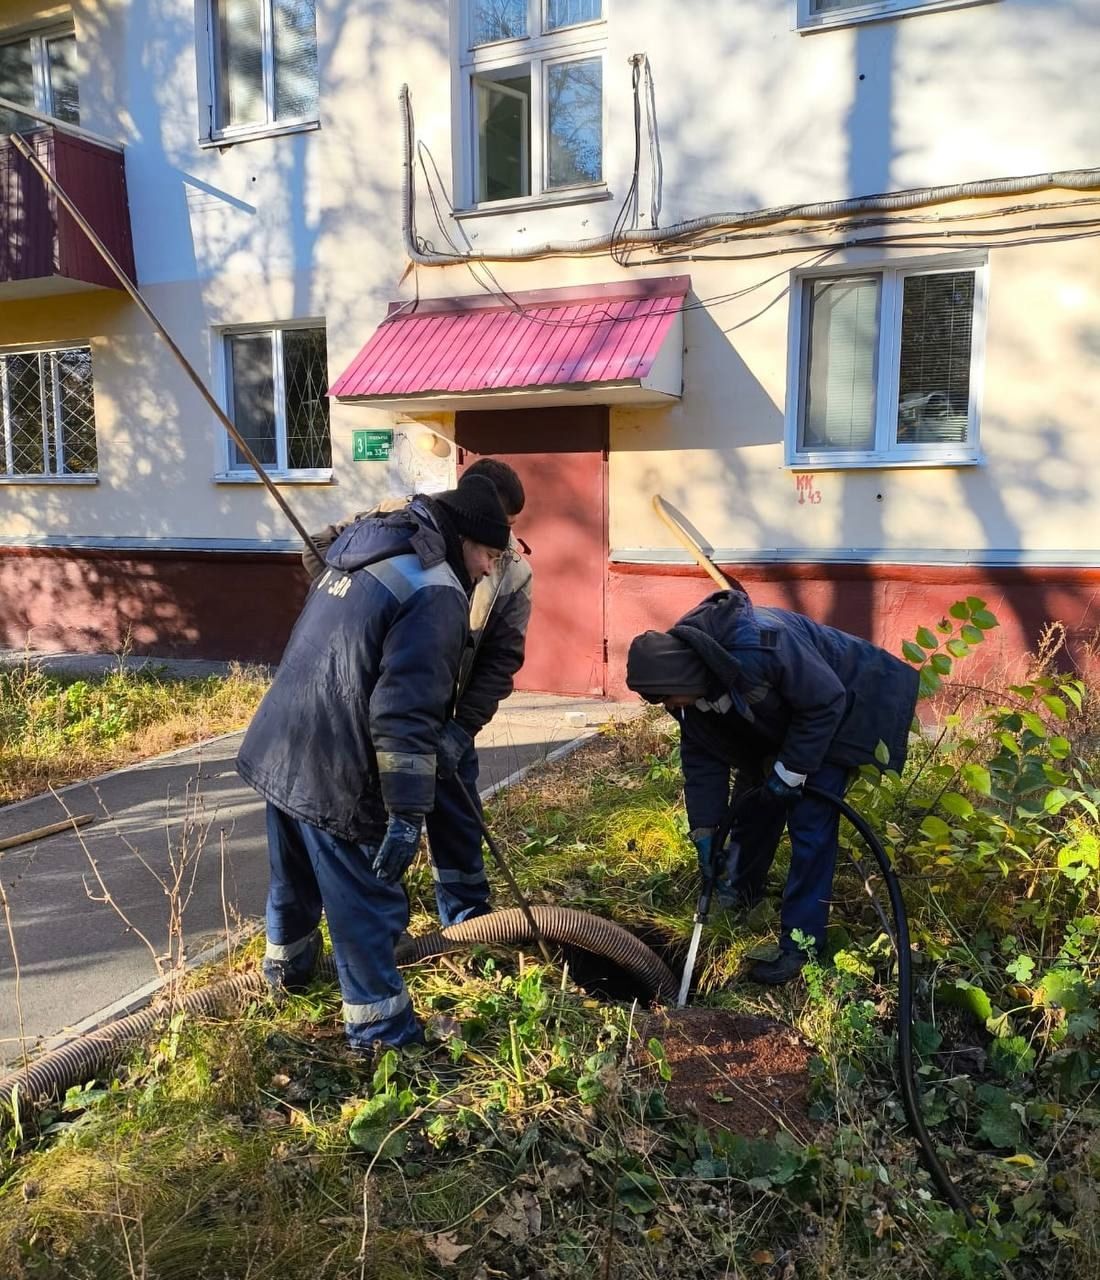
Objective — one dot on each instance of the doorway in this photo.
(560, 455)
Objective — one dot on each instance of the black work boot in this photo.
(292, 977)
(786, 965)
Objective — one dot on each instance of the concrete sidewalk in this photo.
(76, 956)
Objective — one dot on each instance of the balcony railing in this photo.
(42, 250)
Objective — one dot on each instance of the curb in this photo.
(144, 994)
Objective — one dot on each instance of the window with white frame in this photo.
(39, 70)
(277, 385)
(811, 14)
(532, 90)
(263, 65)
(885, 367)
(49, 413)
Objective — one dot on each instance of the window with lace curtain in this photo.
(263, 66)
(885, 367)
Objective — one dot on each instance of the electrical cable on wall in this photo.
(655, 238)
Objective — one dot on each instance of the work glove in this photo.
(783, 787)
(703, 840)
(454, 742)
(398, 848)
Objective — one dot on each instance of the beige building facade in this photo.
(879, 394)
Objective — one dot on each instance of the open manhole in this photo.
(735, 1071)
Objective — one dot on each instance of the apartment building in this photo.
(822, 274)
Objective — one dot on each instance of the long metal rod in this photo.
(52, 184)
(505, 871)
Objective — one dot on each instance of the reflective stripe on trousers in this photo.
(313, 870)
(287, 951)
(377, 1010)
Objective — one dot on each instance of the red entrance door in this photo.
(561, 457)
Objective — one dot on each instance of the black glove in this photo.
(780, 793)
(703, 840)
(398, 848)
(454, 742)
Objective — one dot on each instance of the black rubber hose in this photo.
(909, 1095)
(49, 1076)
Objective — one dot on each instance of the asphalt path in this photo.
(78, 961)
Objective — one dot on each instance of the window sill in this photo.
(323, 475)
(589, 195)
(806, 25)
(84, 479)
(830, 462)
(219, 141)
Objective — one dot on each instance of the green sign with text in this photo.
(371, 446)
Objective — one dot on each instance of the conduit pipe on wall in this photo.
(82, 1059)
(654, 237)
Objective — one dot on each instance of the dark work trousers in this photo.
(454, 837)
(313, 870)
(813, 826)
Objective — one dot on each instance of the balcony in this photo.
(42, 250)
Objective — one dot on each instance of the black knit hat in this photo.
(659, 664)
(476, 511)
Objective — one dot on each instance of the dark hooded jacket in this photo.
(348, 731)
(500, 609)
(800, 692)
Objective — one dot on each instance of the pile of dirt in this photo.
(736, 1072)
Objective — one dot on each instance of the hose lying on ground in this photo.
(51, 1075)
(909, 1095)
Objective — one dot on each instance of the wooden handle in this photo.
(40, 833)
(665, 512)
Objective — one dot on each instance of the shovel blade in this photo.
(689, 965)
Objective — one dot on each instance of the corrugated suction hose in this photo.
(80, 1060)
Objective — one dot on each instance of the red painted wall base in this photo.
(883, 602)
(228, 605)
(177, 604)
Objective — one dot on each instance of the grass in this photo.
(56, 729)
(532, 1137)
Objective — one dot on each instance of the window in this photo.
(884, 367)
(812, 14)
(49, 413)
(277, 381)
(532, 86)
(40, 71)
(264, 65)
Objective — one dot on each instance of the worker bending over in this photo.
(783, 701)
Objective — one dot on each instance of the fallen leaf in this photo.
(566, 1175)
(444, 1247)
(520, 1218)
(272, 1119)
(443, 1027)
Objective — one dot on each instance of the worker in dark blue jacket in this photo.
(783, 701)
(500, 609)
(343, 745)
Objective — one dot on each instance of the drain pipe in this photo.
(655, 237)
(83, 1059)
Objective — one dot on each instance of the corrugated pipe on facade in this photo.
(82, 1059)
(894, 202)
